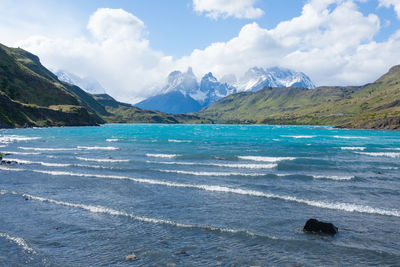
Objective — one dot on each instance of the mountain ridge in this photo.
(182, 90)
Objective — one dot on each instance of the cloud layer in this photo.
(331, 41)
(241, 9)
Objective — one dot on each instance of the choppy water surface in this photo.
(198, 195)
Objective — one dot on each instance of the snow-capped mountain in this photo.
(184, 82)
(256, 79)
(182, 93)
(213, 90)
(88, 84)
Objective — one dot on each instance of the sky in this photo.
(130, 46)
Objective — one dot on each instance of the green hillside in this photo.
(375, 105)
(31, 95)
(125, 113)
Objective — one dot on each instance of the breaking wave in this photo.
(348, 207)
(168, 156)
(353, 148)
(19, 241)
(98, 147)
(227, 165)
(265, 159)
(381, 154)
(213, 173)
(334, 177)
(12, 138)
(102, 160)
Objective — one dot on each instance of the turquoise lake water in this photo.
(198, 195)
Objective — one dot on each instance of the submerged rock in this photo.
(315, 226)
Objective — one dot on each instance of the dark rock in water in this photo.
(181, 252)
(130, 257)
(26, 198)
(313, 225)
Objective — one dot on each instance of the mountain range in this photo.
(183, 93)
(375, 105)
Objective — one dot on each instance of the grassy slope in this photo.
(126, 113)
(375, 105)
(33, 96)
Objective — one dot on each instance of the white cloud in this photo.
(331, 41)
(389, 3)
(242, 9)
(119, 57)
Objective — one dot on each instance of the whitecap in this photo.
(102, 160)
(113, 212)
(334, 177)
(349, 137)
(381, 154)
(265, 159)
(47, 149)
(98, 147)
(19, 241)
(179, 141)
(353, 148)
(299, 136)
(20, 153)
(12, 138)
(112, 140)
(226, 165)
(169, 156)
(212, 173)
(389, 168)
(47, 164)
(348, 207)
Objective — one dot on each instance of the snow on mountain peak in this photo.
(88, 84)
(257, 78)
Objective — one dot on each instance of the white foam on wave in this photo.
(112, 140)
(265, 159)
(102, 160)
(388, 168)
(353, 148)
(299, 136)
(348, 207)
(349, 137)
(179, 141)
(212, 173)
(48, 164)
(47, 149)
(168, 156)
(98, 147)
(113, 212)
(12, 138)
(334, 177)
(19, 241)
(226, 165)
(21, 153)
(381, 154)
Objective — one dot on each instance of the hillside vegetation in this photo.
(375, 105)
